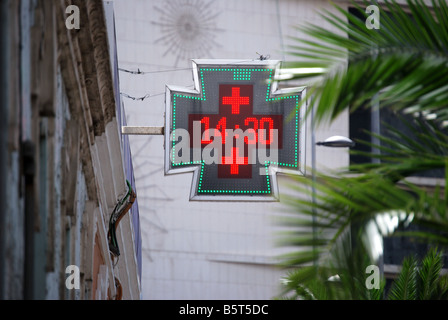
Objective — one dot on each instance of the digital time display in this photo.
(236, 112)
(235, 131)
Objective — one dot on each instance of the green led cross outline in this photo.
(238, 75)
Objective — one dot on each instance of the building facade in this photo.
(205, 250)
(70, 219)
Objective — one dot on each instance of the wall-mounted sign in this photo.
(235, 130)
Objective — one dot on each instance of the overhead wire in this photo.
(148, 95)
(139, 72)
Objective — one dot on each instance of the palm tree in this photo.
(403, 67)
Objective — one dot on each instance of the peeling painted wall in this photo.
(65, 168)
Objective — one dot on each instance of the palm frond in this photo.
(422, 282)
(442, 289)
(405, 286)
(405, 62)
(381, 194)
(339, 275)
(429, 273)
(404, 67)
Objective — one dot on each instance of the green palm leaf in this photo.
(381, 190)
(429, 274)
(405, 62)
(420, 282)
(405, 286)
(404, 66)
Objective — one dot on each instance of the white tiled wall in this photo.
(204, 250)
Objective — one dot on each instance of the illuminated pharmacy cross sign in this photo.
(235, 131)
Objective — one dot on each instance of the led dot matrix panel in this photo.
(233, 98)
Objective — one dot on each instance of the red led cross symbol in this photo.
(235, 161)
(235, 100)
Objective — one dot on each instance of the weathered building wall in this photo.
(65, 168)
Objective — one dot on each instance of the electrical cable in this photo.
(136, 98)
(118, 213)
(148, 95)
(139, 72)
